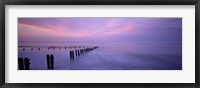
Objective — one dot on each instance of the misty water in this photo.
(108, 55)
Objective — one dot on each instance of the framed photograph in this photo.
(87, 43)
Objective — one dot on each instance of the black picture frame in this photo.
(99, 2)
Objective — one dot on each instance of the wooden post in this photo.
(48, 62)
(21, 63)
(76, 52)
(52, 62)
(71, 55)
(82, 51)
(27, 64)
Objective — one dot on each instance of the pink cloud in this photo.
(113, 27)
(60, 31)
(111, 23)
(124, 29)
(33, 27)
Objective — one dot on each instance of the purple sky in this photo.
(100, 29)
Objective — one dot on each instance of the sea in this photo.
(108, 56)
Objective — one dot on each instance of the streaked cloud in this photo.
(69, 29)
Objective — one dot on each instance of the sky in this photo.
(100, 29)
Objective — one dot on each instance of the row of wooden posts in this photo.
(80, 52)
(56, 47)
(24, 64)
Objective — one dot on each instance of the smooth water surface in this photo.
(109, 55)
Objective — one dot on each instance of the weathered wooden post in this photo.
(72, 54)
(52, 62)
(48, 62)
(21, 63)
(82, 51)
(27, 64)
(76, 52)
